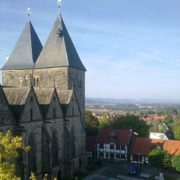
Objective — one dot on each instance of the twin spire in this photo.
(59, 4)
(58, 50)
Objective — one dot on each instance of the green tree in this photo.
(176, 130)
(9, 147)
(105, 121)
(176, 162)
(159, 158)
(92, 124)
(131, 122)
(155, 126)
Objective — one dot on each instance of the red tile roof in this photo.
(117, 136)
(143, 146)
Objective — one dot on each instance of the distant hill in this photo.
(109, 101)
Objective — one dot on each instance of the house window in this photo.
(122, 156)
(122, 147)
(111, 156)
(107, 155)
(112, 146)
(101, 146)
(118, 156)
(101, 154)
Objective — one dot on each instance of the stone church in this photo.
(42, 98)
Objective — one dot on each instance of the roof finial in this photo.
(28, 11)
(59, 3)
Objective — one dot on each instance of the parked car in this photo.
(133, 169)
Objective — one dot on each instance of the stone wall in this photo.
(51, 77)
(16, 78)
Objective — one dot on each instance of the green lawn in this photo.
(171, 178)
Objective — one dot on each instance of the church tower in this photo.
(17, 71)
(59, 65)
(43, 100)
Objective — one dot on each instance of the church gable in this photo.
(54, 109)
(72, 108)
(16, 98)
(44, 96)
(31, 110)
(6, 115)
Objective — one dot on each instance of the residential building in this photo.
(141, 147)
(91, 146)
(154, 135)
(113, 143)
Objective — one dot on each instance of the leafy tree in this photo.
(9, 147)
(159, 158)
(169, 119)
(132, 122)
(155, 126)
(92, 124)
(105, 121)
(176, 162)
(176, 130)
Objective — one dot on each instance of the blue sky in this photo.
(131, 48)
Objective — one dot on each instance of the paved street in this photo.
(119, 170)
(112, 171)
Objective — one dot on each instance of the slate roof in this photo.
(144, 146)
(16, 96)
(26, 51)
(117, 136)
(64, 96)
(44, 95)
(59, 50)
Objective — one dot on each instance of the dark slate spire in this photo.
(59, 50)
(26, 51)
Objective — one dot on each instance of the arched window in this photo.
(45, 154)
(73, 144)
(55, 150)
(34, 82)
(73, 111)
(54, 113)
(31, 114)
(37, 82)
(32, 158)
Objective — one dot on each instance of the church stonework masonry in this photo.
(42, 98)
